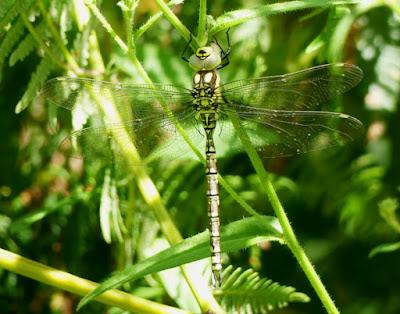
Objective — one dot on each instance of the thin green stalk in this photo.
(96, 12)
(236, 196)
(56, 37)
(238, 17)
(128, 8)
(202, 28)
(68, 282)
(150, 22)
(42, 44)
(288, 232)
(172, 18)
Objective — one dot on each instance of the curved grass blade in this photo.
(235, 236)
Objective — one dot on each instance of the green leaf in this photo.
(13, 11)
(5, 6)
(174, 282)
(10, 39)
(387, 209)
(384, 248)
(235, 236)
(110, 216)
(52, 205)
(153, 19)
(105, 208)
(338, 38)
(26, 46)
(37, 79)
(335, 14)
(244, 291)
(234, 18)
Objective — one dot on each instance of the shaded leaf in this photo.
(26, 46)
(10, 39)
(387, 209)
(37, 80)
(384, 248)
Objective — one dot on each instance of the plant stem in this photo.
(129, 13)
(93, 8)
(42, 44)
(153, 19)
(68, 282)
(238, 17)
(171, 17)
(202, 28)
(57, 38)
(236, 196)
(288, 232)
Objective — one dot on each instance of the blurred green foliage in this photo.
(342, 202)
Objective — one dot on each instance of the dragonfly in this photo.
(281, 115)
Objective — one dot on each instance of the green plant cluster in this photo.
(94, 220)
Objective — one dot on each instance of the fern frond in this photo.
(13, 11)
(37, 79)
(9, 41)
(5, 6)
(243, 291)
(26, 46)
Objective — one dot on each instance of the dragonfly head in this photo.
(205, 58)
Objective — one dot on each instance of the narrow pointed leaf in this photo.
(237, 17)
(384, 248)
(235, 236)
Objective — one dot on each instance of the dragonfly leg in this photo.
(228, 50)
(224, 53)
(184, 58)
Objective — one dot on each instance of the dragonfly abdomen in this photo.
(205, 102)
(213, 209)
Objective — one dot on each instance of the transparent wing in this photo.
(136, 100)
(302, 90)
(102, 117)
(284, 133)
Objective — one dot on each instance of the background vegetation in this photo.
(341, 202)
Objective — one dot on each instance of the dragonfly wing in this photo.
(130, 100)
(285, 133)
(153, 139)
(102, 117)
(298, 91)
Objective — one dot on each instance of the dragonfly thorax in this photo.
(206, 97)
